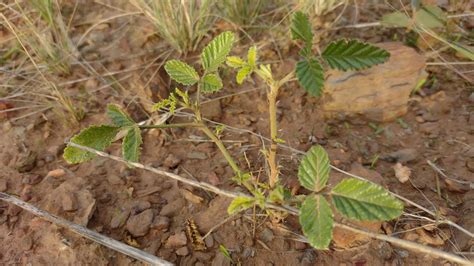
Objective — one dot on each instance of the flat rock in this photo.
(379, 93)
(138, 225)
(171, 208)
(183, 251)
(69, 202)
(161, 223)
(402, 156)
(176, 240)
(119, 218)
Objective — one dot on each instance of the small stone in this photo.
(26, 243)
(140, 206)
(197, 155)
(176, 240)
(69, 202)
(248, 252)
(138, 225)
(298, 245)
(266, 235)
(105, 198)
(213, 179)
(470, 164)
(402, 156)
(119, 218)
(49, 158)
(56, 173)
(161, 223)
(419, 119)
(14, 210)
(26, 193)
(220, 260)
(209, 240)
(115, 180)
(430, 128)
(31, 179)
(3, 185)
(171, 161)
(183, 251)
(471, 97)
(171, 208)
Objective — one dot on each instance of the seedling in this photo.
(353, 198)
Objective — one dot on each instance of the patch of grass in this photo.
(182, 24)
(243, 12)
(318, 7)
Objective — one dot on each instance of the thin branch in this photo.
(176, 125)
(291, 210)
(87, 233)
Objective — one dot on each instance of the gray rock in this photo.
(209, 240)
(266, 235)
(197, 155)
(138, 225)
(120, 218)
(402, 156)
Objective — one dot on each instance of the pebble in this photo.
(14, 210)
(266, 235)
(26, 243)
(298, 245)
(248, 252)
(138, 225)
(119, 218)
(56, 173)
(430, 128)
(171, 161)
(471, 97)
(183, 251)
(402, 156)
(140, 206)
(197, 155)
(470, 164)
(209, 240)
(3, 185)
(31, 179)
(176, 240)
(69, 202)
(171, 208)
(161, 223)
(115, 180)
(26, 193)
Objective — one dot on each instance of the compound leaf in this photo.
(239, 204)
(95, 137)
(118, 116)
(313, 172)
(181, 72)
(301, 29)
(131, 144)
(317, 221)
(242, 74)
(211, 83)
(216, 51)
(311, 76)
(361, 200)
(353, 55)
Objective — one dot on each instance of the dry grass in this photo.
(182, 24)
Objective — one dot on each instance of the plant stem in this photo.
(272, 97)
(222, 148)
(172, 125)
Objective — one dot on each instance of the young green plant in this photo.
(352, 198)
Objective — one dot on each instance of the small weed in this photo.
(352, 198)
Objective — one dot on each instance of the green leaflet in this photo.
(239, 204)
(211, 83)
(119, 117)
(242, 74)
(428, 17)
(216, 51)
(252, 56)
(353, 55)
(396, 19)
(316, 220)
(360, 200)
(181, 72)
(311, 76)
(131, 144)
(235, 62)
(301, 30)
(96, 137)
(313, 172)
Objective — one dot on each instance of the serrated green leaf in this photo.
(313, 172)
(96, 137)
(216, 51)
(242, 74)
(353, 55)
(430, 17)
(118, 116)
(396, 19)
(181, 72)
(361, 200)
(301, 28)
(239, 204)
(317, 221)
(310, 75)
(235, 62)
(252, 56)
(131, 144)
(211, 83)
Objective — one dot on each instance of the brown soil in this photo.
(150, 211)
